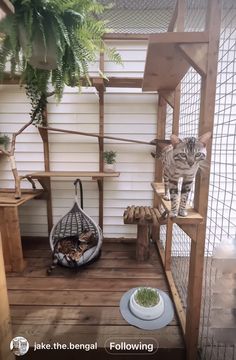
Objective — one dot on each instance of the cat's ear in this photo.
(174, 140)
(205, 138)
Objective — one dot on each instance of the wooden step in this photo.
(193, 216)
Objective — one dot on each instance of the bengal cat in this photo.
(182, 159)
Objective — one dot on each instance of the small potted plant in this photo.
(4, 142)
(146, 303)
(109, 160)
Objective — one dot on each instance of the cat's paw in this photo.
(166, 197)
(173, 214)
(183, 213)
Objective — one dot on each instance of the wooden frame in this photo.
(187, 49)
(202, 55)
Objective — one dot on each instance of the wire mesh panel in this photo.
(188, 126)
(139, 16)
(196, 15)
(221, 222)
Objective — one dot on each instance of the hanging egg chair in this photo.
(76, 239)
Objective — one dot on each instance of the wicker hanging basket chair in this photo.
(78, 228)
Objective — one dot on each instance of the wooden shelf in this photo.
(193, 216)
(165, 63)
(7, 197)
(75, 174)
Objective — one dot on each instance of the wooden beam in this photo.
(125, 36)
(160, 133)
(47, 182)
(190, 230)
(11, 238)
(177, 301)
(207, 105)
(169, 230)
(120, 82)
(98, 83)
(101, 144)
(142, 247)
(168, 96)
(95, 135)
(176, 110)
(5, 321)
(161, 125)
(179, 37)
(196, 55)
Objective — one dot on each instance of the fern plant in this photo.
(72, 27)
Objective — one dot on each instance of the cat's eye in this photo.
(183, 155)
(198, 154)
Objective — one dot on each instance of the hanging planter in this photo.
(52, 43)
(43, 53)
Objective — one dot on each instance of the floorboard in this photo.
(83, 306)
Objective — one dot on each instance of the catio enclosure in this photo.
(196, 99)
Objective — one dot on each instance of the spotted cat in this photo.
(182, 159)
(72, 248)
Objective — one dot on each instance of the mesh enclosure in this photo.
(139, 16)
(73, 226)
(216, 317)
(221, 221)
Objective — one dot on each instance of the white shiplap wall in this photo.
(128, 113)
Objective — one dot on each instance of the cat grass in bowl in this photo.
(146, 303)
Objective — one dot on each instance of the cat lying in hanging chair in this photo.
(182, 159)
(71, 249)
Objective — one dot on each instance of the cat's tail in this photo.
(54, 264)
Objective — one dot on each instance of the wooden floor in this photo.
(83, 306)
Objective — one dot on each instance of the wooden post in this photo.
(5, 327)
(47, 181)
(142, 246)
(161, 125)
(208, 90)
(101, 150)
(169, 229)
(101, 144)
(11, 238)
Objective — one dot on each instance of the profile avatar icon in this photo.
(19, 345)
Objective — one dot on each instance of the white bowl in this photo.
(146, 313)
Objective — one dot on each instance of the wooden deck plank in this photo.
(65, 297)
(106, 255)
(83, 306)
(83, 273)
(87, 315)
(101, 263)
(24, 283)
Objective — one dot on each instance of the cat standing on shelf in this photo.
(182, 159)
